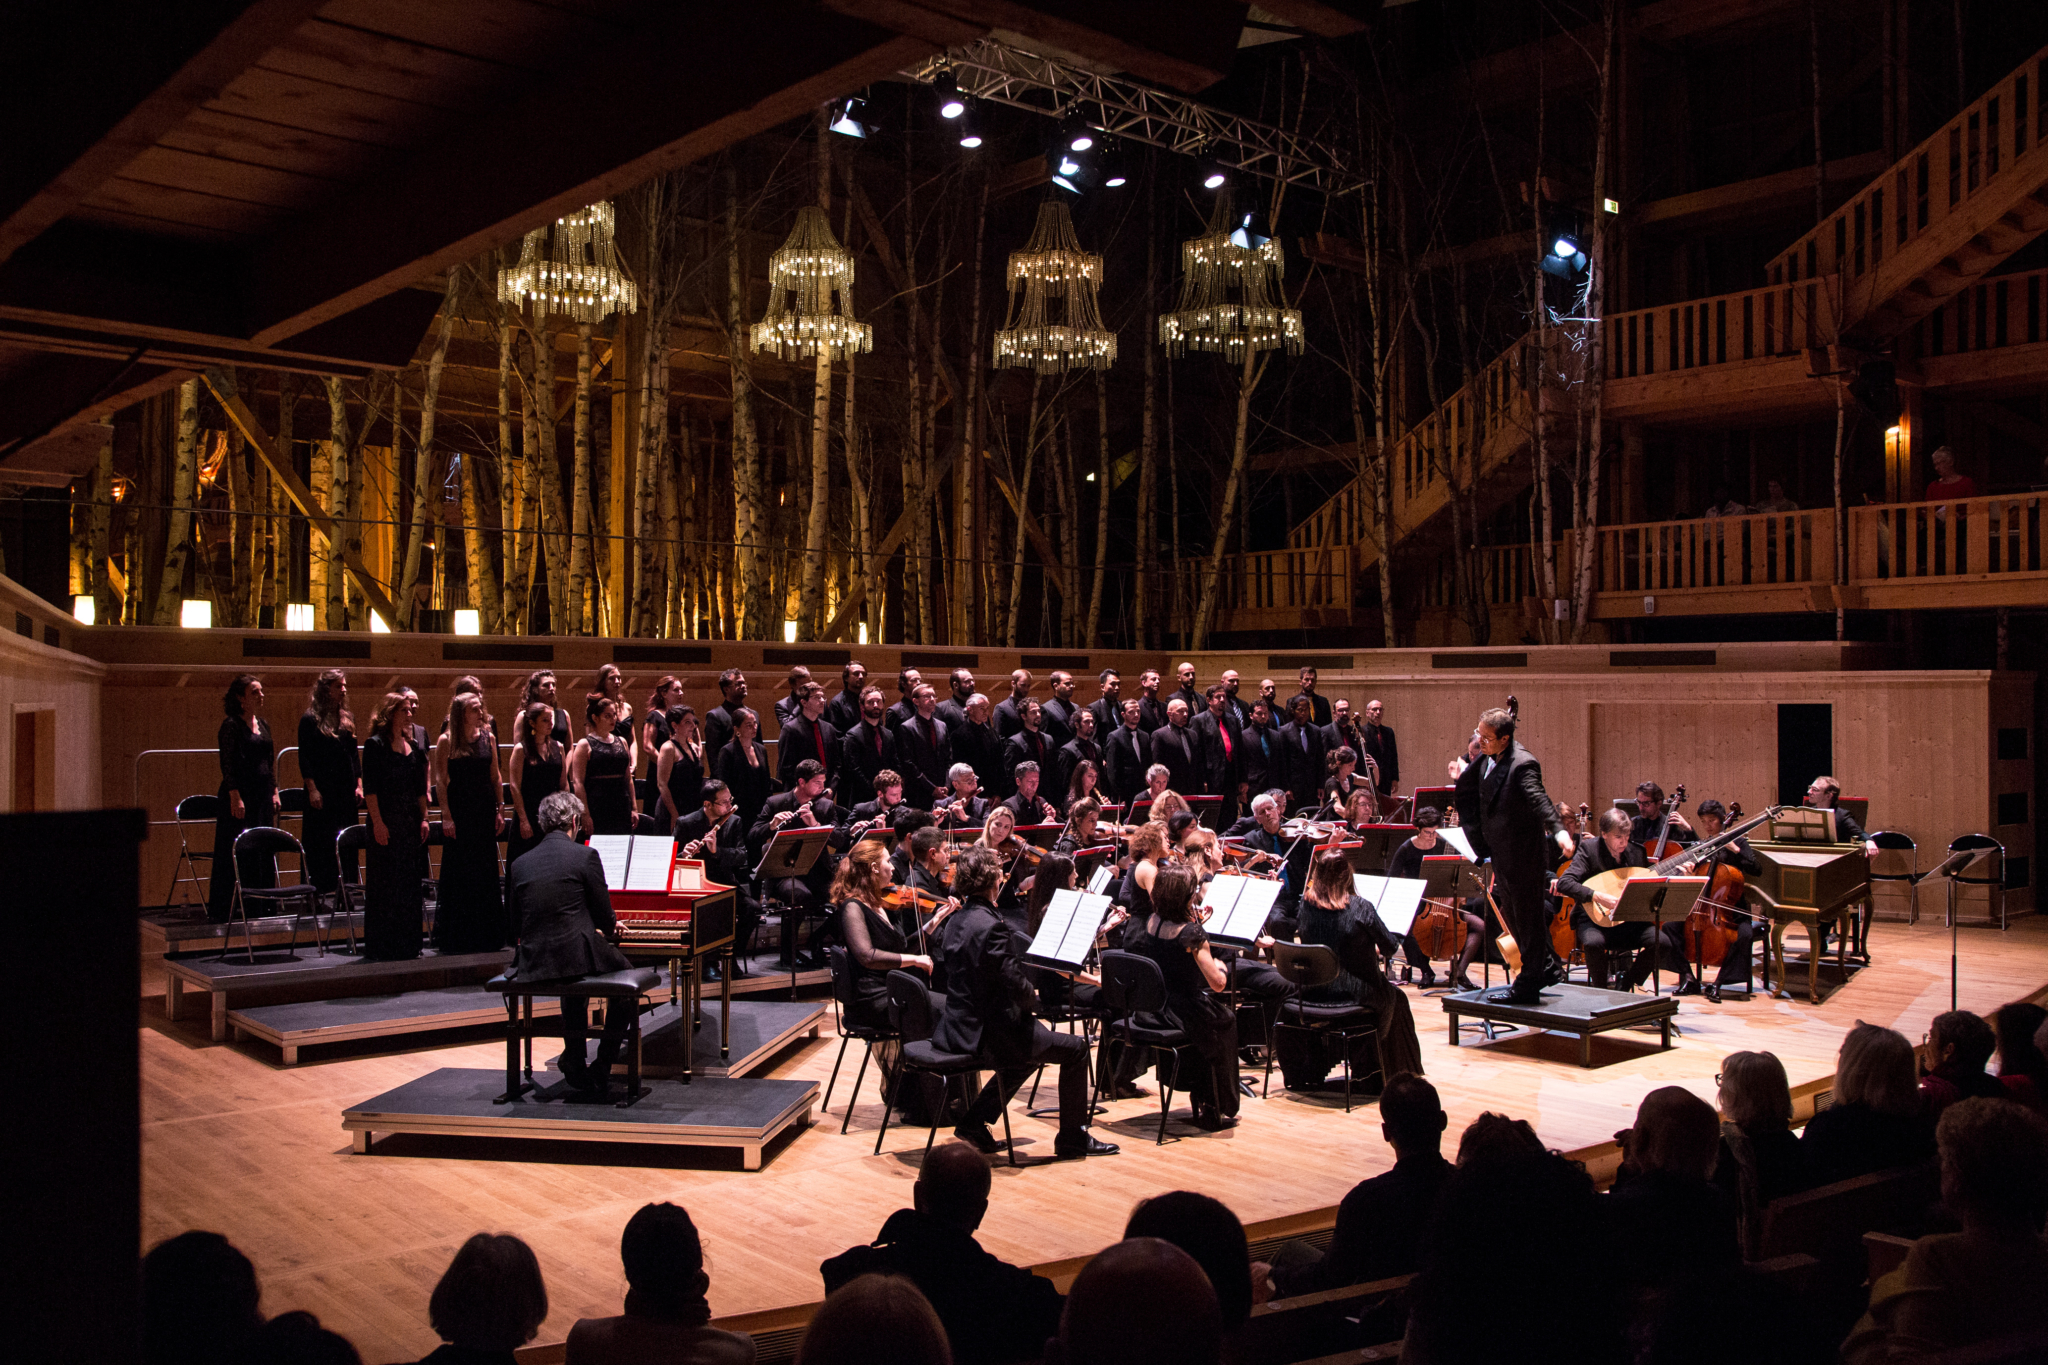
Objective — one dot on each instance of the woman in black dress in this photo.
(612, 683)
(1172, 937)
(248, 792)
(1334, 916)
(742, 765)
(654, 732)
(1407, 864)
(1344, 778)
(395, 868)
(332, 769)
(679, 768)
(875, 946)
(540, 687)
(540, 768)
(470, 917)
(601, 768)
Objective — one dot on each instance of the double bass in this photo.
(1710, 925)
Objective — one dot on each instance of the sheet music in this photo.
(1067, 933)
(1457, 839)
(1239, 906)
(647, 869)
(1398, 899)
(1098, 880)
(614, 851)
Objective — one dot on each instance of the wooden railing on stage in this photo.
(1271, 589)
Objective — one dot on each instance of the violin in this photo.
(1710, 924)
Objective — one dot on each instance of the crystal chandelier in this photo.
(1053, 266)
(810, 295)
(571, 269)
(1229, 295)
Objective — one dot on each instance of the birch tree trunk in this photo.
(1595, 352)
(647, 446)
(858, 479)
(1101, 509)
(1070, 532)
(423, 466)
(1023, 491)
(1148, 433)
(106, 602)
(750, 520)
(547, 471)
(580, 581)
(281, 513)
(184, 486)
(1212, 582)
(334, 612)
(968, 595)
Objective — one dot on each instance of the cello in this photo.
(1564, 941)
(1710, 925)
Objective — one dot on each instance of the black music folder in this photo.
(1448, 876)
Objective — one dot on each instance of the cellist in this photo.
(1407, 863)
(1735, 966)
(1650, 817)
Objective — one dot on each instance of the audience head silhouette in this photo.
(297, 1338)
(1141, 1302)
(199, 1300)
(1208, 1231)
(491, 1297)
(875, 1320)
(664, 1261)
(953, 1186)
(1960, 1042)
(1876, 1068)
(1412, 1118)
(1675, 1131)
(1492, 1135)
(1994, 1165)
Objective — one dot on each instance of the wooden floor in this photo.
(234, 1143)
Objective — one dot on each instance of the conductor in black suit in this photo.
(556, 894)
(1508, 815)
(988, 1013)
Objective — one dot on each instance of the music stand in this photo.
(1039, 836)
(1803, 825)
(1239, 908)
(1066, 936)
(1398, 899)
(1208, 811)
(790, 855)
(1086, 860)
(1653, 901)
(964, 834)
(1378, 843)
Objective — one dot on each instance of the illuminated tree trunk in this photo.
(750, 519)
(184, 486)
(1101, 509)
(423, 499)
(1212, 582)
(581, 584)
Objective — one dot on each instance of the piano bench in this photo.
(620, 990)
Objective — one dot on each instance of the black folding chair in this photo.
(193, 810)
(910, 1006)
(1305, 967)
(267, 841)
(1133, 985)
(841, 963)
(350, 847)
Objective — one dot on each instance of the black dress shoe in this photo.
(1070, 1146)
(1689, 986)
(712, 972)
(977, 1136)
(1214, 1121)
(1427, 977)
(1463, 983)
(1513, 995)
(1553, 974)
(1712, 993)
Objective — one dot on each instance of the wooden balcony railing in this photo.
(1754, 324)
(2007, 310)
(1269, 589)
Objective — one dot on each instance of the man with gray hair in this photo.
(556, 895)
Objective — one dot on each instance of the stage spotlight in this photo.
(970, 129)
(1565, 247)
(847, 116)
(951, 104)
(1252, 231)
(1075, 135)
(1214, 175)
(1115, 165)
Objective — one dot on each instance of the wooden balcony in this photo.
(1748, 349)
(1270, 590)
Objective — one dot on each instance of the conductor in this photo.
(556, 894)
(1509, 817)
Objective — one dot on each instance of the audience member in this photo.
(1984, 1282)
(297, 1338)
(1141, 1302)
(1549, 1312)
(1381, 1221)
(993, 1312)
(2022, 1068)
(667, 1315)
(489, 1303)
(1947, 483)
(1663, 1196)
(1878, 1121)
(1494, 1134)
(1208, 1231)
(199, 1300)
(1760, 1158)
(875, 1320)
(1959, 1044)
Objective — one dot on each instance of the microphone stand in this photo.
(1950, 867)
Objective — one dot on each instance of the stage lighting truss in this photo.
(810, 296)
(992, 71)
(1230, 295)
(570, 269)
(1051, 267)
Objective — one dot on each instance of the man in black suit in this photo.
(1318, 705)
(555, 893)
(718, 721)
(1381, 748)
(977, 745)
(1176, 748)
(1027, 803)
(715, 834)
(993, 1312)
(1108, 706)
(1188, 692)
(1151, 706)
(803, 806)
(1303, 748)
(786, 707)
(1261, 832)
(1009, 717)
(1222, 751)
(867, 748)
(1509, 818)
(1264, 765)
(953, 710)
(907, 681)
(888, 798)
(1082, 747)
(923, 752)
(988, 1013)
(1028, 745)
(1242, 708)
(1056, 717)
(844, 710)
(1128, 753)
(965, 805)
(1342, 731)
(807, 734)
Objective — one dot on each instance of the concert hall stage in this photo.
(232, 1142)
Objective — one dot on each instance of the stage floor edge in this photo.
(760, 1030)
(746, 1113)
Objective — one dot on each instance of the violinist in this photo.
(1407, 863)
(1019, 858)
(1609, 849)
(1148, 850)
(713, 833)
(875, 946)
(1735, 966)
(961, 805)
(1025, 805)
(930, 884)
(1266, 837)
(1202, 851)
(1170, 934)
(1083, 831)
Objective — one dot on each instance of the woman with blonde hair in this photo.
(1760, 1158)
(1878, 1121)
